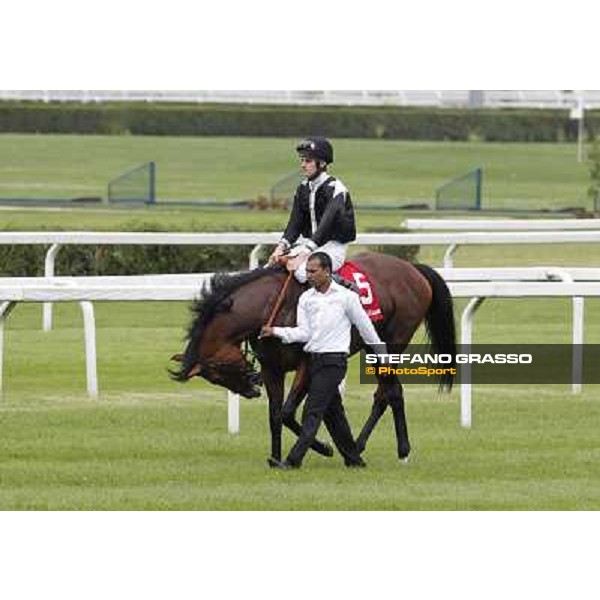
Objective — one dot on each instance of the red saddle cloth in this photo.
(368, 298)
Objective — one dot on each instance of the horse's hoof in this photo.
(403, 452)
(273, 462)
(404, 459)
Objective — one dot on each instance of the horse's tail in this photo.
(439, 321)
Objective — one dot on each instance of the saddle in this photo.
(366, 290)
(360, 282)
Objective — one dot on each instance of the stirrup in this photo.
(349, 285)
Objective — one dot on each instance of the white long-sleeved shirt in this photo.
(324, 321)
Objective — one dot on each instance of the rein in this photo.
(249, 355)
(247, 352)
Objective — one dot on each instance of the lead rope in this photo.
(280, 299)
(247, 349)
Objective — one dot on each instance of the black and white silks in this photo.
(322, 212)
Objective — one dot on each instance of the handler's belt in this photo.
(328, 358)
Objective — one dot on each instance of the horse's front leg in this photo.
(297, 393)
(273, 381)
(380, 403)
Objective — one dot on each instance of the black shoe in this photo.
(347, 284)
(281, 464)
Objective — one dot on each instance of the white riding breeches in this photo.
(335, 250)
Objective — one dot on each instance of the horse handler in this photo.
(326, 313)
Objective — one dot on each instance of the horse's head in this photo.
(215, 354)
(225, 316)
(239, 379)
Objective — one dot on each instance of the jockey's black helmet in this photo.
(316, 147)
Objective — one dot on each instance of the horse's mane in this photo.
(211, 298)
(212, 301)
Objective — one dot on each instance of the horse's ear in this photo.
(195, 370)
(225, 306)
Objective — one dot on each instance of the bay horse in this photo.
(234, 308)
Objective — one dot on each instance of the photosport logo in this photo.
(485, 363)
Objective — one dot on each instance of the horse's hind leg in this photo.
(380, 403)
(389, 392)
(297, 393)
(396, 400)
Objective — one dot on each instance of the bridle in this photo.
(248, 371)
(249, 355)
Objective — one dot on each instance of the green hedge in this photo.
(28, 261)
(504, 125)
(409, 253)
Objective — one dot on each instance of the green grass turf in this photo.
(150, 443)
(376, 171)
(530, 448)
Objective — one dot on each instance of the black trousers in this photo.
(324, 403)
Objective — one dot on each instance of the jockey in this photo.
(322, 217)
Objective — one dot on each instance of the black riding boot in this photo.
(344, 283)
